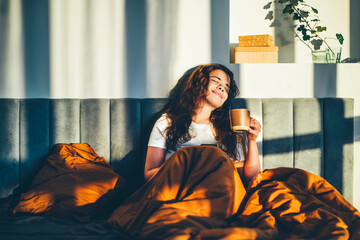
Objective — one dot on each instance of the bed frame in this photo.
(311, 133)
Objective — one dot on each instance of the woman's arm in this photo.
(252, 161)
(154, 159)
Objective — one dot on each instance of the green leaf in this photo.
(340, 37)
(267, 6)
(315, 20)
(283, 1)
(301, 28)
(315, 10)
(320, 28)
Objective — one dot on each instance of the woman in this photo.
(198, 114)
(191, 187)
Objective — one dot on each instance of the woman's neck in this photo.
(202, 115)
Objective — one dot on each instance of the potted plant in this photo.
(307, 28)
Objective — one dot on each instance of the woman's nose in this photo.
(220, 87)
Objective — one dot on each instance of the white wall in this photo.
(86, 49)
(178, 38)
(90, 50)
(91, 53)
(12, 66)
(248, 18)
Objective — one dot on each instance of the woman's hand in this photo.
(254, 130)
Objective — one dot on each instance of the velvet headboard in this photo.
(309, 133)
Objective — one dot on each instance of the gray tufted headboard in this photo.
(312, 134)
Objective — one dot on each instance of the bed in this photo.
(310, 134)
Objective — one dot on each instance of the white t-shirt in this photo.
(202, 134)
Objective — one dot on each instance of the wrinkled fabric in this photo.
(71, 180)
(196, 188)
(198, 194)
(295, 204)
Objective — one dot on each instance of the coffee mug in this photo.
(240, 119)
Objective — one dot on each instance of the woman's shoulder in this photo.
(163, 120)
(163, 117)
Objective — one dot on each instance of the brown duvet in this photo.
(73, 182)
(198, 194)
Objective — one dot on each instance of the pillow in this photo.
(73, 182)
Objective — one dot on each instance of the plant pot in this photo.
(334, 55)
(327, 56)
(319, 56)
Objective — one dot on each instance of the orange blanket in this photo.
(197, 194)
(73, 182)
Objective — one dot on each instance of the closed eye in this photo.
(217, 81)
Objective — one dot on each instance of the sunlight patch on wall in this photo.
(193, 36)
(12, 64)
(254, 14)
(349, 166)
(161, 40)
(356, 190)
(276, 80)
(87, 49)
(348, 84)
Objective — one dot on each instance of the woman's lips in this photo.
(217, 93)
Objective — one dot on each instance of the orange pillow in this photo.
(72, 179)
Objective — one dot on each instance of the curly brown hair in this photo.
(185, 98)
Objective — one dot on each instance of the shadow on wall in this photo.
(284, 38)
(324, 80)
(4, 31)
(135, 30)
(35, 20)
(220, 25)
(219, 31)
(354, 29)
(357, 129)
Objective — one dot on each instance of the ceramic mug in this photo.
(240, 119)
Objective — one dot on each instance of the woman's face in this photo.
(218, 88)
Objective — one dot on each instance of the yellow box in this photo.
(264, 40)
(257, 37)
(256, 54)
